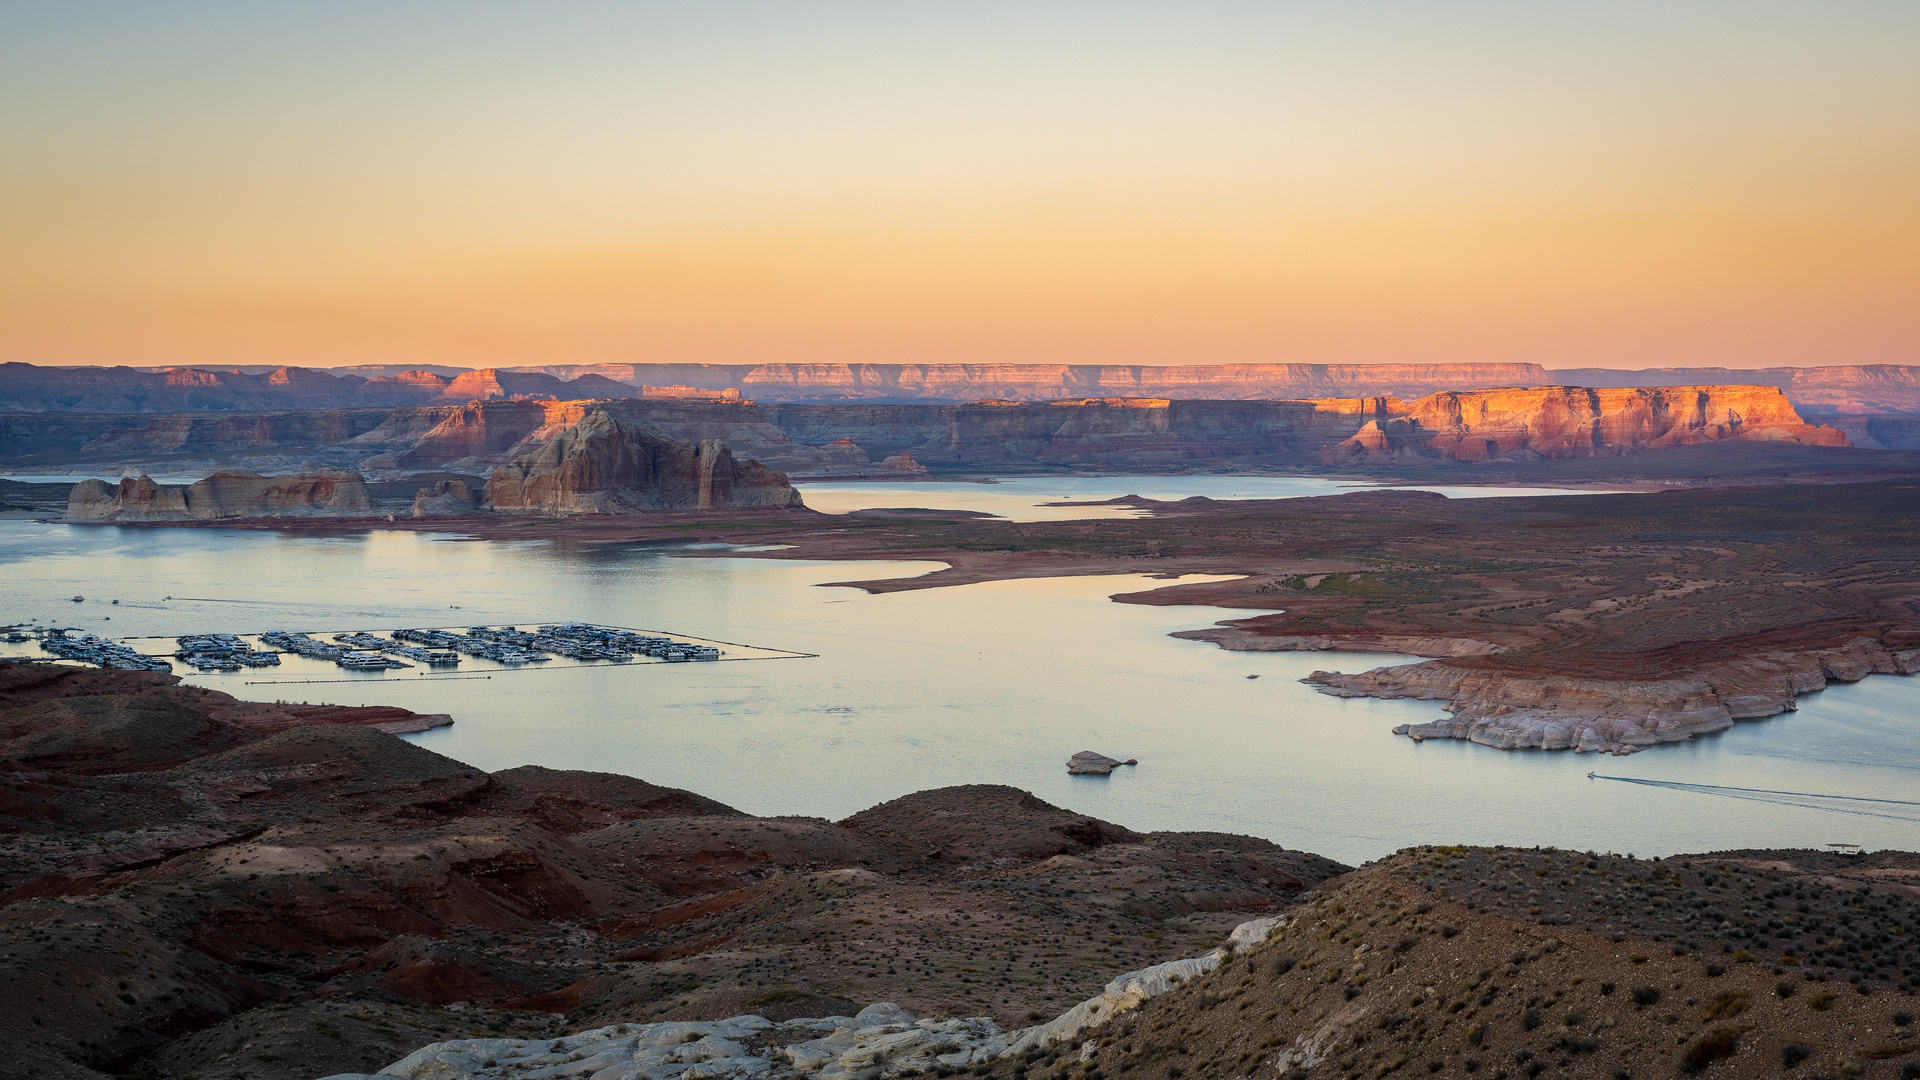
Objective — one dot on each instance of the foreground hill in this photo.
(1522, 963)
(199, 889)
(186, 874)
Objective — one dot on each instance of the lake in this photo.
(989, 683)
(1030, 498)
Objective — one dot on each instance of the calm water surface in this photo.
(1027, 498)
(110, 478)
(990, 683)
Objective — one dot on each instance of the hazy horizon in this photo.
(1625, 185)
(345, 364)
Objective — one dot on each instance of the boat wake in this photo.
(1859, 805)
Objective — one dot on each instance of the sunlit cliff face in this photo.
(1017, 183)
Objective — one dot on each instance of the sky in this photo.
(1618, 184)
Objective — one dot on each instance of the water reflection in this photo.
(989, 683)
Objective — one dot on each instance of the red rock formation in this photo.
(1566, 422)
(479, 430)
(27, 388)
(479, 434)
(1048, 382)
(446, 497)
(827, 439)
(1866, 387)
(603, 465)
(233, 493)
(903, 463)
(491, 385)
(135, 499)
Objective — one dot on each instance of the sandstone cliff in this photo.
(603, 465)
(228, 494)
(1868, 387)
(24, 387)
(1567, 422)
(27, 388)
(204, 434)
(845, 439)
(479, 434)
(446, 497)
(1048, 382)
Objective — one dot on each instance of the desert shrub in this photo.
(1783, 989)
(1530, 1019)
(1792, 1054)
(1820, 1002)
(1644, 996)
(1726, 1005)
(1709, 1048)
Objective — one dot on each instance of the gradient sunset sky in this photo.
(1621, 184)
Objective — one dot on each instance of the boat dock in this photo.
(420, 650)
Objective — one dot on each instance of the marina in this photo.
(425, 650)
(994, 682)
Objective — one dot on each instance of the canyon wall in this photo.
(1862, 387)
(127, 436)
(858, 439)
(27, 388)
(1570, 422)
(28, 435)
(479, 434)
(231, 493)
(1547, 422)
(845, 438)
(1047, 382)
(604, 465)
(201, 433)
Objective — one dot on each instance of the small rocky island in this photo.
(230, 493)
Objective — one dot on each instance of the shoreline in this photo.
(1625, 621)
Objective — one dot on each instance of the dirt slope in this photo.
(1509, 963)
(193, 895)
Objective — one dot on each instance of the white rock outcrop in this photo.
(882, 1042)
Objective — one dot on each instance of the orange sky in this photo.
(1605, 184)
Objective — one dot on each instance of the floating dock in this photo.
(301, 655)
